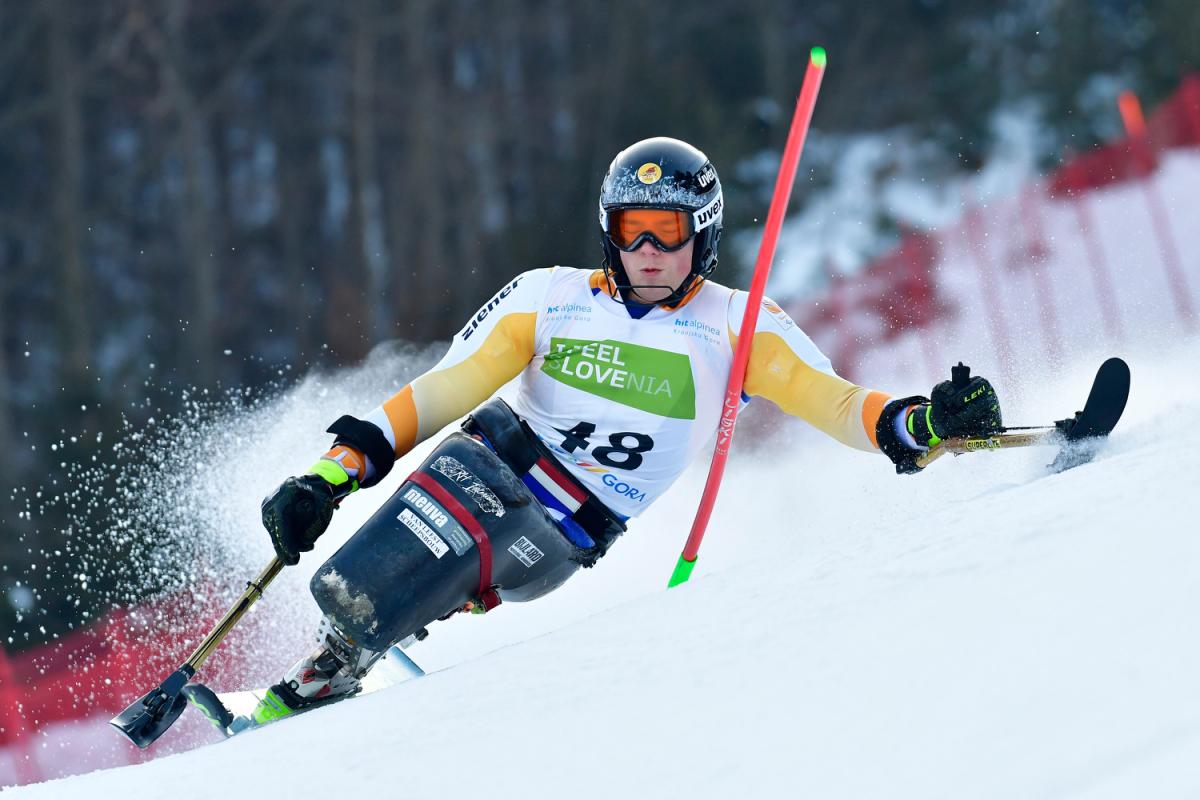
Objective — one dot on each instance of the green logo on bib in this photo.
(657, 381)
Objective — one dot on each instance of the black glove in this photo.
(963, 406)
(297, 513)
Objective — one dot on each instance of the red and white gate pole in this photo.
(762, 268)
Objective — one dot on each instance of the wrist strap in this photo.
(335, 475)
(926, 422)
(368, 440)
(887, 433)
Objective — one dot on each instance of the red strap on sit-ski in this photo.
(487, 594)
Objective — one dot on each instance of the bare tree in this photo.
(5, 380)
(71, 295)
(195, 294)
(298, 185)
(366, 203)
(417, 185)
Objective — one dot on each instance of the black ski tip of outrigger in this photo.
(1085, 432)
(148, 718)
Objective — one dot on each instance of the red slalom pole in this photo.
(762, 268)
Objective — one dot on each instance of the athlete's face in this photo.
(652, 267)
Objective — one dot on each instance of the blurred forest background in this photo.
(204, 192)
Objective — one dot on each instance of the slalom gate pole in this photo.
(762, 268)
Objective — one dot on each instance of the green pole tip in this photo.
(818, 57)
(683, 571)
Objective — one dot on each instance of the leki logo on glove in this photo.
(657, 381)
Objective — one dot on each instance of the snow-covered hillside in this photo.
(980, 630)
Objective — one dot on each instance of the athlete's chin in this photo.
(650, 277)
(650, 295)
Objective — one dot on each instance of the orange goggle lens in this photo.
(669, 229)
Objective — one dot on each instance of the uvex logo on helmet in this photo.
(706, 177)
(708, 215)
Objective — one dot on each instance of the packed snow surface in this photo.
(981, 630)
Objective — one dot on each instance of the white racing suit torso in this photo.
(625, 404)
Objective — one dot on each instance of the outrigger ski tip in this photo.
(1086, 431)
(1079, 437)
(148, 717)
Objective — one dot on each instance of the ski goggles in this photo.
(666, 229)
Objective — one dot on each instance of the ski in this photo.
(1078, 438)
(233, 713)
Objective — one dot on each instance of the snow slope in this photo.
(980, 630)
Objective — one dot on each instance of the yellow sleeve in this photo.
(445, 393)
(847, 412)
(491, 349)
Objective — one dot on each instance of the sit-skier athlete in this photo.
(623, 372)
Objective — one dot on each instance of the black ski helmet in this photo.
(670, 174)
